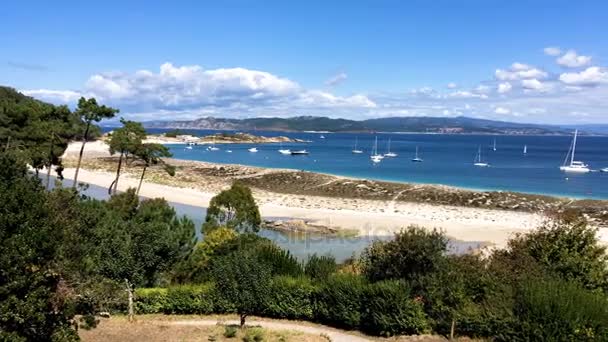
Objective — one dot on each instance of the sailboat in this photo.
(416, 158)
(478, 161)
(213, 147)
(284, 151)
(188, 147)
(494, 145)
(525, 149)
(375, 157)
(574, 166)
(604, 169)
(389, 153)
(253, 150)
(355, 150)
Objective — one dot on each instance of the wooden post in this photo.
(130, 293)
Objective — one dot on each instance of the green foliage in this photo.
(387, 310)
(290, 298)
(320, 267)
(32, 303)
(151, 300)
(567, 248)
(279, 261)
(337, 301)
(414, 252)
(90, 111)
(234, 208)
(173, 133)
(241, 279)
(552, 310)
(230, 331)
(190, 299)
(254, 334)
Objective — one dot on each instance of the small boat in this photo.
(322, 136)
(388, 152)
(189, 147)
(253, 150)
(525, 149)
(355, 149)
(228, 151)
(375, 157)
(494, 146)
(284, 151)
(574, 165)
(604, 169)
(299, 153)
(416, 158)
(478, 162)
(212, 147)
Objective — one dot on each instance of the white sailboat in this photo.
(253, 150)
(388, 152)
(188, 147)
(604, 169)
(478, 162)
(355, 149)
(525, 149)
(375, 157)
(416, 158)
(213, 147)
(494, 146)
(574, 165)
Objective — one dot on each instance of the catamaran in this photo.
(416, 158)
(253, 150)
(356, 150)
(375, 157)
(574, 165)
(389, 153)
(478, 161)
(525, 149)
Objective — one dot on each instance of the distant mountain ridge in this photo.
(461, 124)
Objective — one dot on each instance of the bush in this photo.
(190, 299)
(290, 298)
(151, 300)
(230, 331)
(388, 310)
(320, 267)
(337, 301)
(552, 310)
(254, 335)
(280, 261)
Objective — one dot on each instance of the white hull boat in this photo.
(299, 153)
(478, 162)
(252, 150)
(572, 165)
(417, 158)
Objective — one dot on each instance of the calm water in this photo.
(448, 160)
(299, 246)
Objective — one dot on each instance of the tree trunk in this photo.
(50, 165)
(113, 189)
(243, 316)
(8, 143)
(452, 329)
(143, 172)
(84, 141)
(130, 293)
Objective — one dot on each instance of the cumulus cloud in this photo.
(588, 77)
(519, 71)
(61, 96)
(467, 94)
(504, 87)
(534, 84)
(552, 51)
(452, 85)
(572, 60)
(502, 110)
(336, 79)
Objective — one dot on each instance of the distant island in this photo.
(176, 136)
(439, 125)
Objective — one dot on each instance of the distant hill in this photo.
(392, 124)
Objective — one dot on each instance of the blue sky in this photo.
(354, 59)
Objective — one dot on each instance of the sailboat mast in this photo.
(573, 147)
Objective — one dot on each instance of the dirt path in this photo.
(335, 335)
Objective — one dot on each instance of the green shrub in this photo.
(290, 298)
(388, 310)
(337, 301)
(280, 261)
(190, 299)
(150, 301)
(230, 331)
(320, 267)
(554, 310)
(254, 335)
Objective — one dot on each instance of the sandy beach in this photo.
(368, 217)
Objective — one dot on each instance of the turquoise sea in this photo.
(448, 160)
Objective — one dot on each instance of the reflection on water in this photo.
(300, 245)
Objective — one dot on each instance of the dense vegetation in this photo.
(67, 257)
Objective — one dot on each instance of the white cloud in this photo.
(588, 77)
(502, 110)
(519, 71)
(504, 87)
(466, 94)
(552, 51)
(62, 96)
(452, 85)
(533, 84)
(336, 79)
(572, 60)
